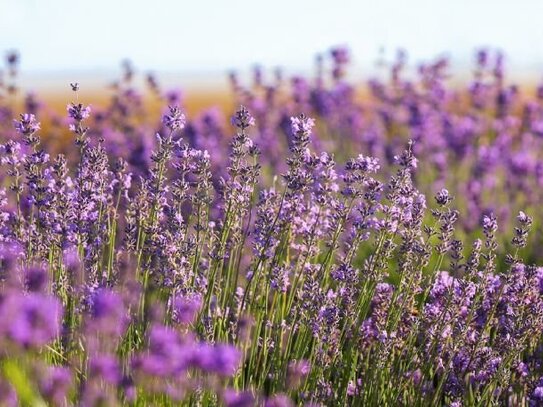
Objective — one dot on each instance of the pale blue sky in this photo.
(213, 36)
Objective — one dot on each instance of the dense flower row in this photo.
(202, 268)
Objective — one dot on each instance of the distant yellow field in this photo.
(194, 101)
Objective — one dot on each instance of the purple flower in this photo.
(186, 307)
(220, 359)
(166, 355)
(407, 159)
(233, 398)
(443, 197)
(538, 393)
(536, 398)
(55, 383)
(490, 224)
(279, 279)
(27, 125)
(31, 320)
(108, 313)
(340, 54)
(36, 279)
(174, 119)
(302, 124)
(365, 164)
(78, 112)
(279, 400)
(104, 367)
(12, 58)
(242, 119)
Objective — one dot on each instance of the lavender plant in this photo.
(290, 260)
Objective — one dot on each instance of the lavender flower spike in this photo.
(174, 119)
(242, 119)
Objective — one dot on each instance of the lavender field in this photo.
(320, 247)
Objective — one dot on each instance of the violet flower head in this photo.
(221, 359)
(55, 384)
(12, 58)
(31, 103)
(36, 279)
(78, 112)
(186, 307)
(536, 398)
(163, 349)
(233, 398)
(32, 320)
(366, 164)
(482, 57)
(301, 127)
(27, 125)
(105, 367)
(340, 55)
(279, 279)
(302, 124)
(279, 400)
(521, 232)
(242, 119)
(407, 159)
(174, 119)
(108, 313)
(490, 224)
(524, 219)
(443, 197)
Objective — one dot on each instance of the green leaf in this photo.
(16, 375)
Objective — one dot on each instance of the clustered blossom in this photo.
(78, 112)
(27, 125)
(302, 125)
(443, 197)
(29, 321)
(186, 307)
(521, 233)
(174, 119)
(325, 250)
(242, 119)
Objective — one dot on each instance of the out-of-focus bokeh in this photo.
(193, 44)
